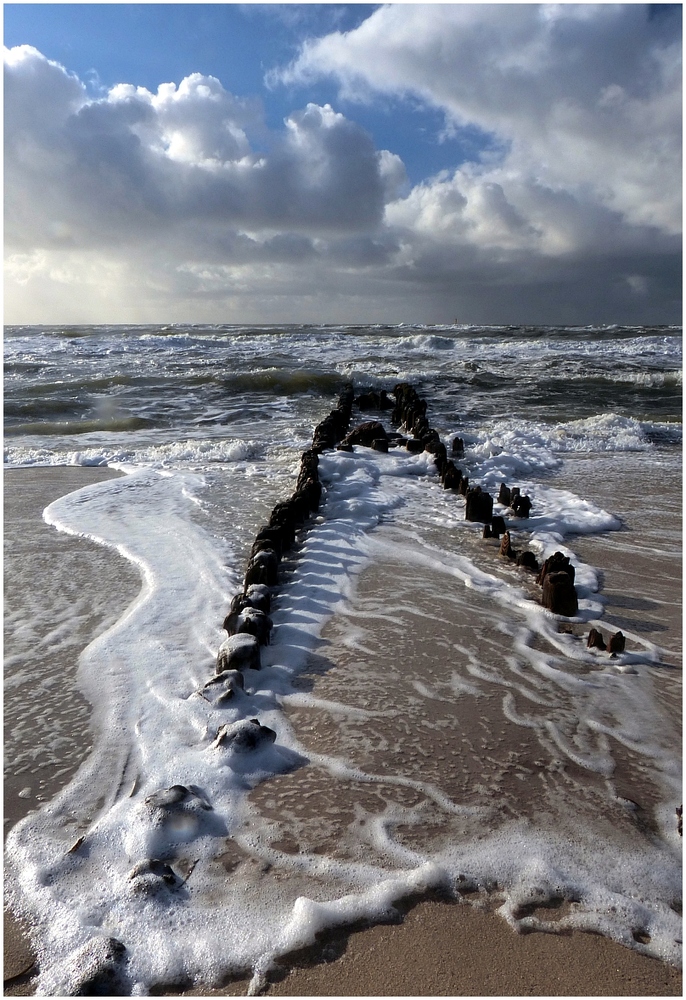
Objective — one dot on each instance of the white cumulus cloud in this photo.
(584, 99)
(99, 171)
(180, 204)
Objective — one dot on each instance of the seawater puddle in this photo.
(433, 728)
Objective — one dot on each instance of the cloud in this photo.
(585, 99)
(97, 172)
(181, 205)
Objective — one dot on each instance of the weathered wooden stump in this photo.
(263, 568)
(522, 505)
(527, 560)
(366, 433)
(556, 563)
(506, 546)
(479, 505)
(559, 594)
(451, 476)
(251, 622)
(595, 640)
(239, 652)
(497, 525)
(243, 736)
(617, 643)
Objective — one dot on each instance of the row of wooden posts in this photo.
(248, 623)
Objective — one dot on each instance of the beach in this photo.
(41, 694)
(343, 500)
(422, 782)
(442, 949)
(60, 593)
(434, 946)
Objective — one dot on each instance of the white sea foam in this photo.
(191, 453)
(505, 449)
(144, 676)
(658, 379)
(429, 342)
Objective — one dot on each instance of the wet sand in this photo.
(439, 948)
(79, 589)
(462, 950)
(60, 593)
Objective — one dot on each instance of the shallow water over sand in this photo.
(60, 593)
(441, 732)
(435, 728)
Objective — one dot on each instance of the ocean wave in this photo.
(429, 342)
(612, 432)
(285, 381)
(651, 379)
(508, 449)
(177, 454)
(69, 427)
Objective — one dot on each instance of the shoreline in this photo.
(443, 948)
(56, 557)
(440, 947)
(27, 491)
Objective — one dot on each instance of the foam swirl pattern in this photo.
(432, 725)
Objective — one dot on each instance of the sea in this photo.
(435, 728)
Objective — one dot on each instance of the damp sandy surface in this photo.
(640, 565)
(411, 689)
(413, 685)
(441, 949)
(641, 575)
(409, 685)
(435, 948)
(450, 719)
(60, 593)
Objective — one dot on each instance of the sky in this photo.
(329, 163)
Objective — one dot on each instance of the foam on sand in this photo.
(163, 826)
